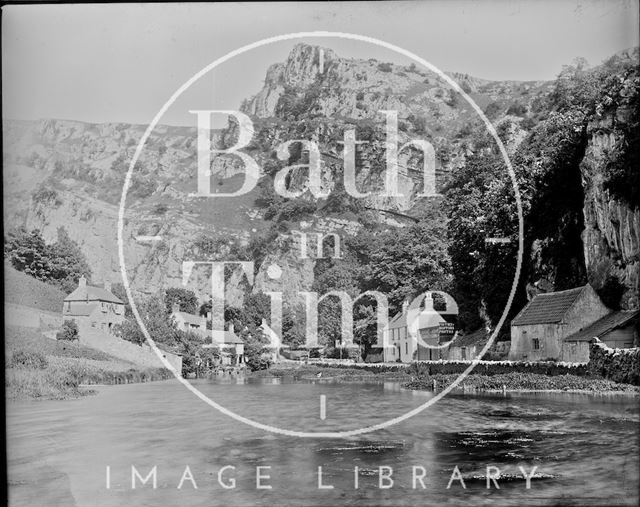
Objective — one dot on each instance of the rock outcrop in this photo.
(612, 228)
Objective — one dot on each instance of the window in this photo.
(406, 347)
(536, 344)
(463, 352)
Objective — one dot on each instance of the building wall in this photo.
(182, 325)
(104, 316)
(575, 352)
(586, 310)
(466, 353)
(522, 342)
(430, 336)
(622, 338)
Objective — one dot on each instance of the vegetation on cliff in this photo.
(60, 263)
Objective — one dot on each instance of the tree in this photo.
(157, 320)
(68, 263)
(61, 263)
(118, 290)
(68, 331)
(410, 261)
(27, 252)
(184, 298)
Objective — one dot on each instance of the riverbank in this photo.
(302, 371)
(522, 382)
(510, 382)
(37, 367)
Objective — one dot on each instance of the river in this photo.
(585, 447)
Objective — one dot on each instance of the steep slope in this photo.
(60, 173)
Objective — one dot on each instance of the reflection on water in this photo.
(585, 447)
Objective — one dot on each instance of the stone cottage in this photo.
(93, 307)
(188, 321)
(539, 330)
(231, 347)
(467, 347)
(618, 330)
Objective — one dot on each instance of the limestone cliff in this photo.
(612, 227)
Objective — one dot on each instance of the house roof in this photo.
(476, 337)
(89, 293)
(603, 326)
(232, 338)
(547, 308)
(190, 318)
(425, 320)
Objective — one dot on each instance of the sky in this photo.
(121, 63)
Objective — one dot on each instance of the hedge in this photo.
(549, 368)
(619, 365)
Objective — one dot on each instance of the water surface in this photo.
(585, 447)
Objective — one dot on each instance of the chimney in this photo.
(107, 285)
(405, 307)
(175, 308)
(231, 329)
(428, 303)
(208, 315)
(82, 282)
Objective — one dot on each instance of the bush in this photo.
(521, 381)
(619, 365)
(385, 67)
(69, 331)
(517, 109)
(492, 110)
(28, 359)
(160, 209)
(256, 357)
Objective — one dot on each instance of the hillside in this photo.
(22, 289)
(61, 173)
(69, 174)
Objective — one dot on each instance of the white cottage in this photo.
(399, 336)
(93, 306)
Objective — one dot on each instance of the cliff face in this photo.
(69, 174)
(612, 228)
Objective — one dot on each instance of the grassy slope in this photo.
(68, 366)
(28, 339)
(22, 289)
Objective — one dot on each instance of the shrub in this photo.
(385, 67)
(160, 209)
(492, 110)
(517, 109)
(619, 365)
(257, 357)
(69, 331)
(28, 359)
(44, 195)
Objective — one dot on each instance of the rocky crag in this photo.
(69, 174)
